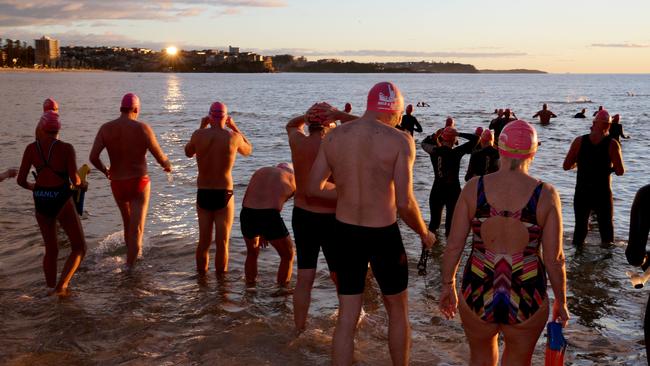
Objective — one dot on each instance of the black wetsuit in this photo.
(580, 115)
(446, 185)
(593, 190)
(616, 131)
(497, 125)
(636, 247)
(483, 161)
(410, 124)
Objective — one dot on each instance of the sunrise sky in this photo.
(576, 36)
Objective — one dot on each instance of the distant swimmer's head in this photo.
(347, 108)
(319, 116)
(286, 167)
(487, 138)
(386, 99)
(583, 111)
(478, 131)
(603, 116)
(507, 113)
(449, 122)
(130, 103)
(218, 112)
(518, 140)
(500, 112)
(449, 135)
(409, 109)
(50, 123)
(616, 118)
(544, 106)
(50, 105)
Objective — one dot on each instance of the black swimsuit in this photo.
(49, 201)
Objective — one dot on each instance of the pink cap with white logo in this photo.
(385, 97)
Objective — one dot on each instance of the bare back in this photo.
(126, 142)
(216, 150)
(362, 156)
(269, 187)
(303, 153)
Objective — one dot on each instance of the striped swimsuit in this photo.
(505, 288)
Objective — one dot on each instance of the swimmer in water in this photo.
(581, 114)
(600, 108)
(409, 122)
(127, 141)
(268, 189)
(616, 130)
(372, 165)
(215, 144)
(544, 115)
(56, 167)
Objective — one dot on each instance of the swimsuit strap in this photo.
(46, 162)
(481, 199)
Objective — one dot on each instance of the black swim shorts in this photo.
(313, 231)
(213, 199)
(381, 247)
(265, 222)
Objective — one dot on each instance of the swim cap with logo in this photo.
(130, 101)
(449, 134)
(49, 122)
(286, 166)
(50, 105)
(217, 111)
(603, 116)
(385, 97)
(518, 140)
(319, 114)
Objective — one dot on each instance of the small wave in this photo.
(579, 100)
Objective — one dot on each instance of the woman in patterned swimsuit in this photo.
(516, 224)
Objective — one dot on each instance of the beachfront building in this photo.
(47, 52)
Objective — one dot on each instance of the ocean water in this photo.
(161, 315)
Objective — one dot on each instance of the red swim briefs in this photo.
(129, 189)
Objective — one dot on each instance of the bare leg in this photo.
(250, 267)
(482, 337)
(125, 211)
(343, 340)
(206, 221)
(139, 207)
(48, 231)
(520, 339)
(399, 329)
(302, 297)
(284, 247)
(72, 225)
(223, 223)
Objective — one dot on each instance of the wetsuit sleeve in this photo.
(639, 227)
(428, 144)
(467, 147)
(416, 125)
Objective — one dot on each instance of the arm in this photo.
(9, 173)
(571, 159)
(617, 157)
(553, 115)
(156, 151)
(639, 228)
(320, 171)
(428, 144)
(96, 150)
(296, 125)
(344, 117)
(416, 125)
(472, 140)
(25, 165)
(623, 135)
(407, 206)
(245, 148)
(553, 251)
(72, 166)
(536, 115)
(465, 207)
(190, 148)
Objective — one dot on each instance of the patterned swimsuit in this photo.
(505, 288)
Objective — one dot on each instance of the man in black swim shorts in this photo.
(261, 223)
(372, 165)
(215, 148)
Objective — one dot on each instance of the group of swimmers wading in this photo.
(350, 182)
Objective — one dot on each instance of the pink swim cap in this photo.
(518, 140)
(409, 109)
(449, 122)
(130, 101)
(50, 122)
(385, 97)
(348, 108)
(478, 131)
(217, 111)
(449, 134)
(50, 105)
(318, 114)
(286, 166)
(603, 116)
(487, 136)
